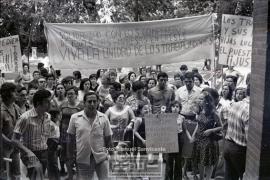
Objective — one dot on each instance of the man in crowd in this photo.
(10, 113)
(34, 127)
(183, 69)
(34, 82)
(92, 132)
(187, 94)
(161, 95)
(236, 139)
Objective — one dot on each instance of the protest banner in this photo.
(133, 44)
(161, 133)
(10, 54)
(236, 41)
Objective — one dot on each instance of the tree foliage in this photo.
(26, 17)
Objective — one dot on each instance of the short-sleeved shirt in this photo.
(186, 98)
(238, 122)
(35, 131)
(90, 139)
(159, 98)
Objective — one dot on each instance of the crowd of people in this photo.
(79, 122)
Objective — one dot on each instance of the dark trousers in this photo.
(53, 171)
(173, 170)
(235, 160)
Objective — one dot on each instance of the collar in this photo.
(33, 113)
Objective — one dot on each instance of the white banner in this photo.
(93, 46)
(10, 54)
(236, 41)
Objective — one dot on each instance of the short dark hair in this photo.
(162, 74)
(176, 102)
(35, 72)
(137, 85)
(197, 75)
(183, 67)
(20, 89)
(40, 65)
(82, 83)
(189, 75)
(116, 94)
(89, 94)
(50, 75)
(213, 93)
(195, 70)
(40, 95)
(92, 76)
(78, 74)
(230, 91)
(70, 88)
(67, 79)
(116, 86)
(151, 79)
(234, 78)
(140, 78)
(55, 89)
(130, 73)
(6, 90)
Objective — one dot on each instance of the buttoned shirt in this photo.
(238, 121)
(90, 138)
(35, 131)
(161, 97)
(187, 98)
(9, 120)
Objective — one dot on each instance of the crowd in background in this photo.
(44, 118)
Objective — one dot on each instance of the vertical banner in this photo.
(133, 44)
(236, 41)
(10, 54)
(161, 133)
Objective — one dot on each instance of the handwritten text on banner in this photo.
(133, 44)
(236, 41)
(10, 54)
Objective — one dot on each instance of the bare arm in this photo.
(136, 127)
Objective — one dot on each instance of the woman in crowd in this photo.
(69, 107)
(100, 73)
(50, 83)
(93, 82)
(198, 81)
(137, 97)
(121, 117)
(239, 94)
(84, 88)
(139, 128)
(26, 75)
(224, 103)
(59, 95)
(77, 78)
(151, 82)
(104, 94)
(131, 77)
(206, 151)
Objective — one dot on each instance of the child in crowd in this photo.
(174, 160)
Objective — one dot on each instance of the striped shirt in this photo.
(35, 131)
(238, 121)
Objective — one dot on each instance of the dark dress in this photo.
(206, 151)
(138, 142)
